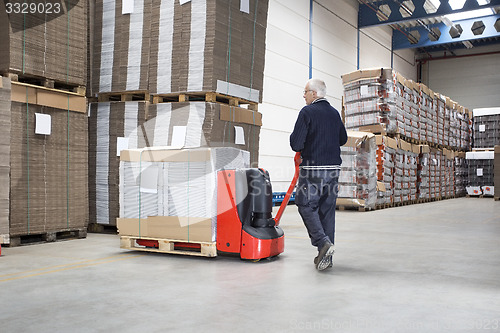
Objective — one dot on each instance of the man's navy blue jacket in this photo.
(318, 134)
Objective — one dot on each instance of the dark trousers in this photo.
(316, 197)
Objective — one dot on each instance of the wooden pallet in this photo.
(124, 96)
(102, 228)
(359, 209)
(47, 237)
(497, 198)
(206, 249)
(204, 97)
(46, 83)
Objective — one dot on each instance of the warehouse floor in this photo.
(430, 267)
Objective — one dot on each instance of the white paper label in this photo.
(184, 1)
(482, 128)
(239, 138)
(179, 136)
(363, 90)
(479, 172)
(121, 144)
(127, 6)
(245, 6)
(43, 124)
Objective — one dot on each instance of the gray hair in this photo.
(318, 86)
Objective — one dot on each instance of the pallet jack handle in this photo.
(297, 160)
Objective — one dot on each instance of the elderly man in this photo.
(318, 135)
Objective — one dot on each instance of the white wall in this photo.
(472, 81)
(334, 53)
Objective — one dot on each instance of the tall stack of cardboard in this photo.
(113, 126)
(167, 47)
(5, 102)
(48, 161)
(46, 45)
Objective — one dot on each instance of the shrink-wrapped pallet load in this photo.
(163, 190)
(357, 179)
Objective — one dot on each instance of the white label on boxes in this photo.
(479, 172)
(184, 1)
(239, 137)
(179, 136)
(363, 90)
(121, 144)
(43, 124)
(245, 6)
(482, 128)
(127, 6)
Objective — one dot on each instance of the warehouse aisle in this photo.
(422, 268)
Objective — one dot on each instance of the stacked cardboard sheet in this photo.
(5, 106)
(168, 46)
(164, 192)
(46, 44)
(48, 159)
(113, 126)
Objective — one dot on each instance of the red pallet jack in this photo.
(245, 225)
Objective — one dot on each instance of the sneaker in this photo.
(329, 266)
(324, 258)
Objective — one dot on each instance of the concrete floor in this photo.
(431, 267)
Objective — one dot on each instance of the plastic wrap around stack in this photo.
(411, 162)
(423, 173)
(48, 186)
(113, 126)
(169, 46)
(371, 99)
(5, 106)
(481, 173)
(435, 173)
(179, 183)
(486, 127)
(46, 45)
(386, 152)
(357, 180)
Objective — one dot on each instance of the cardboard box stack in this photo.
(371, 99)
(386, 155)
(46, 45)
(172, 193)
(461, 174)
(486, 127)
(481, 173)
(5, 106)
(423, 173)
(357, 179)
